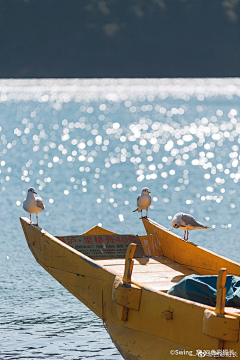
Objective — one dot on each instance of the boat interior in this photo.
(157, 272)
(158, 260)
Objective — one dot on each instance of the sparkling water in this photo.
(89, 147)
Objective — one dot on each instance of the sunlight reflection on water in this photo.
(90, 146)
(119, 121)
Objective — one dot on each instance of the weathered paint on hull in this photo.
(149, 333)
(136, 345)
(189, 254)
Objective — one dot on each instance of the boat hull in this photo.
(135, 345)
(158, 324)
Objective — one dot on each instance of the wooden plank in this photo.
(151, 245)
(152, 265)
(152, 269)
(103, 246)
(221, 291)
(222, 327)
(149, 269)
(145, 261)
(143, 277)
(159, 286)
(230, 310)
(159, 273)
(98, 230)
(141, 261)
(221, 298)
(127, 295)
(129, 263)
(192, 256)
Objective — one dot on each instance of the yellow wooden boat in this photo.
(130, 295)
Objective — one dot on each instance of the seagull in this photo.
(187, 222)
(143, 201)
(33, 205)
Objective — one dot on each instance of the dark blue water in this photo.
(89, 147)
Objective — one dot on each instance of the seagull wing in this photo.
(39, 202)
(138, 198)
(190, 220)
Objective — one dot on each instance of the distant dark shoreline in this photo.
(112, 39)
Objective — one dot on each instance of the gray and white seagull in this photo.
(143, 201)
(32, 204)
(187, 222)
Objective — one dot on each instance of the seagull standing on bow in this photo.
(143, 201)
(187, 222)
(32, 204)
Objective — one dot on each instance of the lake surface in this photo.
(89, 147)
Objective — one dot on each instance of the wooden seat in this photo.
(159, 273)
